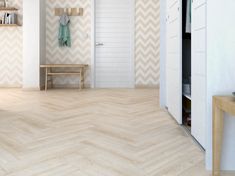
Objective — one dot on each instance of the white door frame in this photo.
(93, 47)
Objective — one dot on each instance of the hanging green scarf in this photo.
(64, 32)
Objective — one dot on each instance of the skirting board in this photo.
(138, 86)
(10, 86)
(19, 87)
(88, 86)
(30, 88)
(66, 86)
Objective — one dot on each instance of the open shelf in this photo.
(186, 127)
(8, 9)
(9, 25)
(5, 9)
(186, 112)
(188, 96)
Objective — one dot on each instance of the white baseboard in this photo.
(141, 86)
(65, 86)
(31, 89)
(10, 86)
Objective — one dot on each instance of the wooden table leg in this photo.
(218, 125)
(46, 79)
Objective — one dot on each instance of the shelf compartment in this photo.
(9, 25)
(8, 9)
(188, 96)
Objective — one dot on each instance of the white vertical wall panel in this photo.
(163, 100)
(31, 44)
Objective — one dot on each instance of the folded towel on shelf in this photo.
(64, 32)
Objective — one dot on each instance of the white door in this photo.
(199, 71)
(174, 59)
(114, 58)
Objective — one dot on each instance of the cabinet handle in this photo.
(99, 44)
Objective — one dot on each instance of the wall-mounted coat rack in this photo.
(69, 11)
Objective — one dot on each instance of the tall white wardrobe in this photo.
(205, 58)
(186, 65)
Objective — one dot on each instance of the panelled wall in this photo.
(146, 34)
(11, 52)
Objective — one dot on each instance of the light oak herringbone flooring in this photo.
(92, 133)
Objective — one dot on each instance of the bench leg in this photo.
(46, 79)
(83, 79)
(51, 79)
(80, 82)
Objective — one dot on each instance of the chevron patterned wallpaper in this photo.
(147, 39)
(80, 33)
(147, 54)
(11, 52)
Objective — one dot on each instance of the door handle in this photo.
(99, 44)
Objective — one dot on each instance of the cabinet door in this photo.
(174, 59)
(199, 70)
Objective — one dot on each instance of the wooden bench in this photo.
(49, 72)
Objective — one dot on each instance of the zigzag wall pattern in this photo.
(80, 33)
(147, 39)
(11, 52)
(147, 57)
(147, 42)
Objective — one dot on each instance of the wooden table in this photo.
(221, 104)
(49, 72)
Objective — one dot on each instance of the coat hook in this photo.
(69, 11)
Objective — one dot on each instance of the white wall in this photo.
(163, 53)
(221, 72)
(31, 44)
(42, 40)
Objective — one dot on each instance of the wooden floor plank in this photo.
(104, 132)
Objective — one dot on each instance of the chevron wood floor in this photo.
(92, 133)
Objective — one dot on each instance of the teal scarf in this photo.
(64, 32)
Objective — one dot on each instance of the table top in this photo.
(225, 103)
(64, 66)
